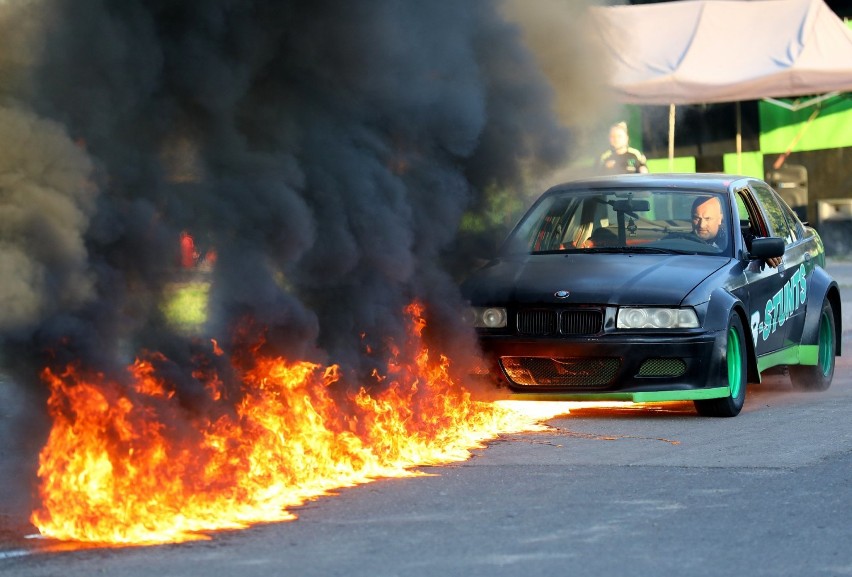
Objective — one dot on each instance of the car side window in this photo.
(745, 218)
(775, 214)
(796, 225)
(751, 222)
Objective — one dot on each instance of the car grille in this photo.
(545, 322)
(568, 372)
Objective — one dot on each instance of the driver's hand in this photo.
(774, 261)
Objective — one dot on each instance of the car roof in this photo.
(716, 182)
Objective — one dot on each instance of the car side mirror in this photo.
(768, 247)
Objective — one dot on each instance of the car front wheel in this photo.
(818, 377)
(735, 360)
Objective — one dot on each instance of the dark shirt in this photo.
(628, 162)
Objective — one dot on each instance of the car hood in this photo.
(624, 279)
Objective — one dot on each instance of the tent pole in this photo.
(671, 136)
(739, 139)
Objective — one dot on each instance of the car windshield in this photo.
(624, 220)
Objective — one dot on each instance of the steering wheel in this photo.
(687, 236)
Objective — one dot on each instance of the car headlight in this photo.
(488, 317)
(656, 318)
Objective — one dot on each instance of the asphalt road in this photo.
(658, 491)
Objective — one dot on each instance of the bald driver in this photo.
(707, 219)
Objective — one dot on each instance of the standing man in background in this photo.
(621, 158)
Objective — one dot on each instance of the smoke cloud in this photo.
(326, 152)
(46, 208)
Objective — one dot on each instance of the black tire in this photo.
(736, 375)
(818, 377)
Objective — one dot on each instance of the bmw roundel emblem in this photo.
(561, 294)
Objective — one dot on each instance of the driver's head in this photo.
(706, 217)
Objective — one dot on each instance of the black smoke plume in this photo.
(326, 152)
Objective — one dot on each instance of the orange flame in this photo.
(130, 465)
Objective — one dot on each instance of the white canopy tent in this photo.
(706, 51)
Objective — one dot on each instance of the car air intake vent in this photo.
(557, 373)
(543, 322)
(662, 368)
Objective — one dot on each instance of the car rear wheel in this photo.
(818, 377)
(736, 372)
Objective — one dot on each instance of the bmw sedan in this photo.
(657, 287)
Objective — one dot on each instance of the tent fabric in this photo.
(704, 51)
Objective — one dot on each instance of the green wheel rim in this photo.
(826, 344)
(735, 363)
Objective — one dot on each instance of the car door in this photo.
(763, 284)
(788, 306)
(777, 294)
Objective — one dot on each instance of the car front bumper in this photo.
(611, 367)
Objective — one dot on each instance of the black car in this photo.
(657, 287)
